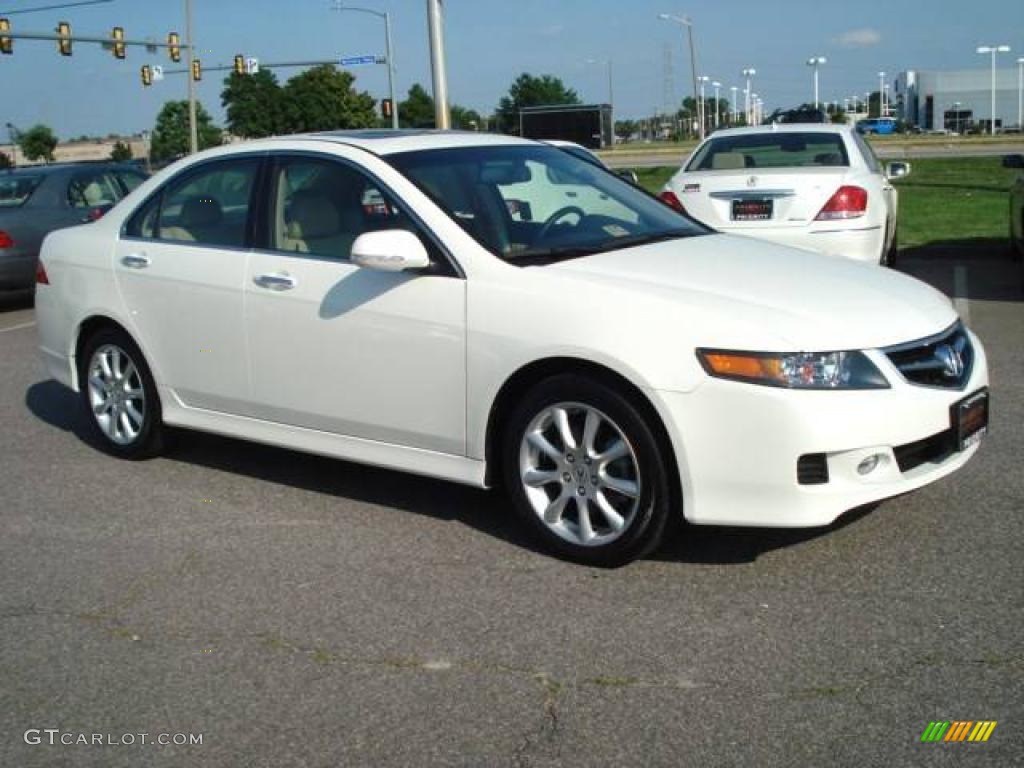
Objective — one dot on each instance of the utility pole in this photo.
(435, 25)
(193, 127)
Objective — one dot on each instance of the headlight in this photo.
(797, 370)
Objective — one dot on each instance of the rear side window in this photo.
(208, 206)
(16, 189)
(870, 158)
(782, 149)
(92, 190)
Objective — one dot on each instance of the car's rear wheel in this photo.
(585, 472)
(119, 396)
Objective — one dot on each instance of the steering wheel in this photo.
(555, 217)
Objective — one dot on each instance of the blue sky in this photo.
(490, 41)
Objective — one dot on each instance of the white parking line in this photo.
(960, 301)
(17, 327)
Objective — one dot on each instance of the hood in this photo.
(741, 291)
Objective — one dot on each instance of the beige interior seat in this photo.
(316, 225)
(199, 221)
(728, 161)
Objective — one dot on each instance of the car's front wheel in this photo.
(119, 396)
(585, 472)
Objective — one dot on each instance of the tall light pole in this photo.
(1020, 94)
(717, 85)
(193, 126)
(748, 73)
(339, 5)
(435, 25)
(993, 50)
(688, 23)
(881, 94)
(816, 62)
(701, 105)
(735, 110)
(956, 117)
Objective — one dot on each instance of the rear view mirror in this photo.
(1013, 161)
(629, 175)
(389, 250)
(897, 170)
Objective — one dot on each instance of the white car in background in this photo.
(818, 187)
(371, 296)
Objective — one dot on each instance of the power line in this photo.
(58, 6)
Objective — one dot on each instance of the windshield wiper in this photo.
(544, 256)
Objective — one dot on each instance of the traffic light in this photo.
(64, 43)
(197, 70)
(240, 64)
(119, 47)
(6, 43)
(147, 75)
(386, 107)
(174, 46)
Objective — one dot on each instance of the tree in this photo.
(323, 99)
(38, 143)
(171, 135)
(530, 91)
(417, 111)
(626, 129)
(253, 104)
(121, 152)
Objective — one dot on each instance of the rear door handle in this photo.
(277, 282)
(135, 261)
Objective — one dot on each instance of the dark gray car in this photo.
(36, 200)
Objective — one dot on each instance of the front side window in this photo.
(776, 149)
(535, 204)
(208, 206)
(92, 190)
(319, 207)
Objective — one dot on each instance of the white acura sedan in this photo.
(395, 299)
(818, 187)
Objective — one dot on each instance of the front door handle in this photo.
(135, 261)
(276, 282)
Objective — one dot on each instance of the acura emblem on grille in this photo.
(952, 361)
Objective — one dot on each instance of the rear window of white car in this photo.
(783, 149)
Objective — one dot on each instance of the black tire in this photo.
(149, 440)
(650, 518)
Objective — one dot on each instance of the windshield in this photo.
(781, 149)
(16, 189)
(537, 204)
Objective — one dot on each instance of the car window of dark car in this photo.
(94, 189)
(16, 189)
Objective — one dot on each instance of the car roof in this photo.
(388, 142)
(783, 128)
(47, 169)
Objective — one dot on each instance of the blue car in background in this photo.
(877, 125)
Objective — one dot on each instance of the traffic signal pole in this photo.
(193, 127)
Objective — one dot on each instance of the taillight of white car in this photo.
(849, 202)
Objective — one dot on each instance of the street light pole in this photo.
(435, 25)
(388, 51)
(702, 105)
(688, 23)
(748, 73)
(717, 85)
(881, 94)
(735, 110)
(193, 127)
(993, 50)
(1020, 94)
(816, 61)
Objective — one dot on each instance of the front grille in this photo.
(932, 449)
(939, 361)
(812, 469)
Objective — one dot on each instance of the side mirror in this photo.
(1013, 161)
(897, 170)
(389, 250)
(629, 175)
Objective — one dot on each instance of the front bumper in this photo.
(737, 445)
(856, 242)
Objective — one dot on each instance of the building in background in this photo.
(957, 100)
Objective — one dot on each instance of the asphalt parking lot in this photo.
(298, 611)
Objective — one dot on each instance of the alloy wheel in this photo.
(116, 394)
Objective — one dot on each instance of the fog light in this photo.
(870, 464)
